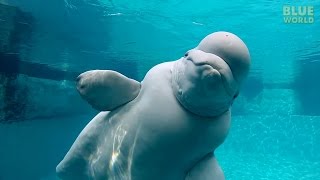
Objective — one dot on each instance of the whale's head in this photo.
(208, 78)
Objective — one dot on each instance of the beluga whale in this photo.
(166, 127)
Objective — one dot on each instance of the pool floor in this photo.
(272, 147)
(266, 167)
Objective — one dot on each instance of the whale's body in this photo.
(166, 127)
(121, 142)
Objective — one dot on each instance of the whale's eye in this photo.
(186, 54)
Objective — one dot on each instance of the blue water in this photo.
(275, 131)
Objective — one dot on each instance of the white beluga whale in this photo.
(166, 127)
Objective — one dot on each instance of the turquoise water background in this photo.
(275, 131)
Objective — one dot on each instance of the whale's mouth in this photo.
(208, 69)
(218, 70)
(205, 64)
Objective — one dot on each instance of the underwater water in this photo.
(44, 45)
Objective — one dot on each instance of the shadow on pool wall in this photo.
(299, 97)
(23, 77)
(307, 80)
(15, 29)
(31, 150)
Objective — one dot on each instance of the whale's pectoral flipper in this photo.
(106, 90)
(207, 168)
